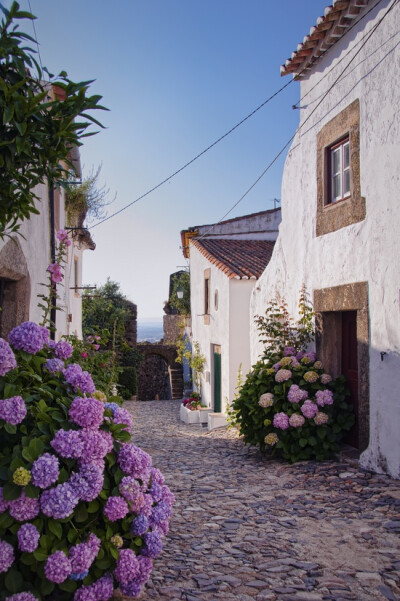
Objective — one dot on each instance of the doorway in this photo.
(350, 369)
(217, 378)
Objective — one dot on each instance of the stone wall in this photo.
(153, 379)
(171, 328)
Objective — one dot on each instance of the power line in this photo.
(370, 34)
(175, 173)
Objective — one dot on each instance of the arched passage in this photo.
(15, 287)
(159, 374)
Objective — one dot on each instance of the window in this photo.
(339, 171)
(207, 273)
(76, 275)
(339, 199)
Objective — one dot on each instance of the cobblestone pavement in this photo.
(250, 528)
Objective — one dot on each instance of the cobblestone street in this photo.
(249, 528)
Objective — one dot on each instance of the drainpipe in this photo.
(53, 257)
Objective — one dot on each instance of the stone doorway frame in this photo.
(17, 287)
(329, 303)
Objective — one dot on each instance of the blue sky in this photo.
(176, 75)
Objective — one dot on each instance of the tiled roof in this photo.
(239, 259)
(337, 19)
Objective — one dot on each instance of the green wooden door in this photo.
(217, 381)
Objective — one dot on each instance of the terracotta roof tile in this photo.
(337, 19)
(240, 259)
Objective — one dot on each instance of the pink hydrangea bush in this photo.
(289, 406)
(82, 509)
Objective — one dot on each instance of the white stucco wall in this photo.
(217, 332)
(366, 251)
(35, 245)
(257, 226)
(239, 346)
(228, 327)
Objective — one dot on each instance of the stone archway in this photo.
(159, 373)
(15, 287)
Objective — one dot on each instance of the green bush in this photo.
(291, 407)
(128, 380)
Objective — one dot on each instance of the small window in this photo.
(216, 300)
(76, 275)
(206, 312)
(339, 171)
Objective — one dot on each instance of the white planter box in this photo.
(188, 416)
(203, 415)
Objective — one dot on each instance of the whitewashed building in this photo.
(341, 215)
(24, 260)
(226, 260)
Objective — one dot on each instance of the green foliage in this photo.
(94, 356)
(128, 381)
(277, 329)
(104, 312)
(87, 200)
(40, 123)
(181, 305)
(231, 411)
(294, 443)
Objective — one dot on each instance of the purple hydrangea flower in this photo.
(309, 409)
(152, 545)
(140, 525)
(3, 502)
(116, 508)
(127, 567)
(289, 351)
(101, 590)
(134, 462)
(311, 356)
(83, 555)
(6, 556)
(281, 421)
(63, 350)
(54, 365)
(68, 444)
(122, 416)
(296, 394)
(12, 410)
(160, 513)
(156, 476)
(131, 490)
(28, 538)
(88, 482)
(133, 588)
(326, 378)
(22, 597)
(300, 355)
(28, 337)
(84, 383)
(59, 502)
(147, 505)
(58, 567)
(96, 444)
(324, 397)
(167, 495)
(45, 470)
(155, 491)
(7, 358)
(72, 371)
(24, 508)
(86, 412)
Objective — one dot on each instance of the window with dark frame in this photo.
(76, 275)
(338, 163)
(206, 295)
